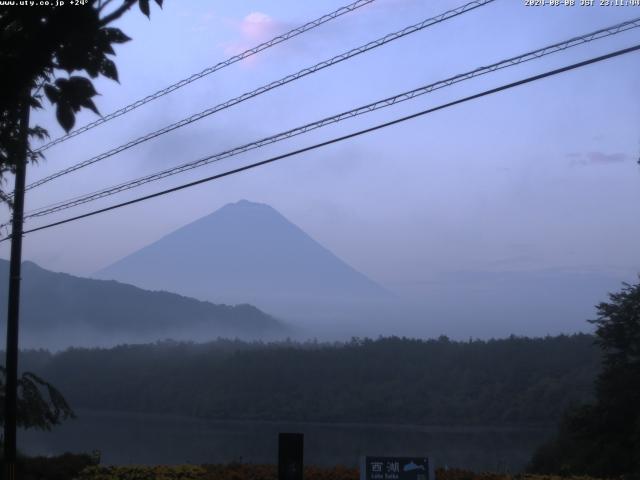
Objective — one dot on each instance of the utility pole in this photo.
(13, 314)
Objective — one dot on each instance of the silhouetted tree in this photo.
(38, 44)
(40, 405)
(603, 439)
(40, 48)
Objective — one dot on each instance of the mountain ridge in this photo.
(61, 306)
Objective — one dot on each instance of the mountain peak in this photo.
(246, 252)
(245, 206)
(248, 203)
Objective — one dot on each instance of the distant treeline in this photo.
(388, 380)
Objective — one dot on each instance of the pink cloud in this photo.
(258, 25)
(254, 29)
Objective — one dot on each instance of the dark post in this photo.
(11, 386)
(290, 456)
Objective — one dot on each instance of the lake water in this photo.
(125, 438)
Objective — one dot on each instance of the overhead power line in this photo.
(209, 70)
(265, 88)
(386, 102)
(342, 138)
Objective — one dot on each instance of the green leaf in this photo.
(52, 93)
(38, 132)
(108, 69)
(71, 56)
(144, 7)
(115, 35)
(92, 65)
(107, 48)
(81, 87)
(35, 102)
(65, 116)
(73, 93)
(88, 103)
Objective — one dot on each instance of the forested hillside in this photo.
(514, 380)
(72, 310)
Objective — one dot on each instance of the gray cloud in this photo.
(597, 158)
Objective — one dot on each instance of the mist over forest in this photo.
(78, 311)
(247, 272)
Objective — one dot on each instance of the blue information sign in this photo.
(396, 468)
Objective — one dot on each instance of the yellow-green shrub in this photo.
(238, 471)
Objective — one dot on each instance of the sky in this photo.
(543, 177)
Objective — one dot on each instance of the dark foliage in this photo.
(603, 439)
(389, 380)
(63, 467)
(38, 46)
(40, 405)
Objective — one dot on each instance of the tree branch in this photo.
(102, 5)
(117, 13)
